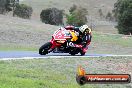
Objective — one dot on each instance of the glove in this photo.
(76, 33)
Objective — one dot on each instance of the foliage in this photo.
(123, 13)
(2, 6)
(101, 13)
(5, 6)
(73, 8)
(109, 16)
(52, 16)
(77, 16)
(23, 11)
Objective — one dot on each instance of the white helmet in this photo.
(84, 27)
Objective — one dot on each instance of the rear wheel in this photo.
(82, 53)
(73, 54)
(43, 50)
(73, 51)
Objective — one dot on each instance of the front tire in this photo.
(43, 50)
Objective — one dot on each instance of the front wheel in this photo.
(43, 50)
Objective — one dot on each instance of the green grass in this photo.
(51, 73)
(120, 40)
(17, 47)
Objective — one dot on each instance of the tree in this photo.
(2, 6)
(52, 16)
(101, 13)
(77, 16)
(109, 16)
(7, 5)
(123, 14)
(73, 8)
(23, 11)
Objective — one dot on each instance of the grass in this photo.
(120, 40)
(17, 47)
(53, 73)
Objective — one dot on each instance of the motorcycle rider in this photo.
(84, 36)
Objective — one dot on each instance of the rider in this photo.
(83, 33)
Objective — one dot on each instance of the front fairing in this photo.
(61, 34)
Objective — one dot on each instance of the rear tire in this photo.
(82, 53)
(73, 54)
(43, 50)
(73, 51)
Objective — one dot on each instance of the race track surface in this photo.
(20, 54)
(6, 55)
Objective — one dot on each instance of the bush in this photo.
(101, 13)
(52, 16)
(5, 6)
(2, 6)
(77, 16)
(123, 14)
(73, 8)
(23, 11)
(109, 16)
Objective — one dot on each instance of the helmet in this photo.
(85, 28)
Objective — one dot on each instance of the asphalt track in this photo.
(7, 55)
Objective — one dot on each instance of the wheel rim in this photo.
(45, 50)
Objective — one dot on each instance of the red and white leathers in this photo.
(83, 40)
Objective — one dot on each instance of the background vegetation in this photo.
(52, 16)
(77, 16)
(23, 11)
(123, 13)
(20, 10)
(7, 5)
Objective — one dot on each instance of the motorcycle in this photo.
(59, 43)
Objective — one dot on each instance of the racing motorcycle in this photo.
(59, 43)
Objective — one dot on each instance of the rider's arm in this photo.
(86, 40)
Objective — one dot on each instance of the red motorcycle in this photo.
(59, 44)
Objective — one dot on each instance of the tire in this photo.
(73, 54)
(43, 50)
(82, 53)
